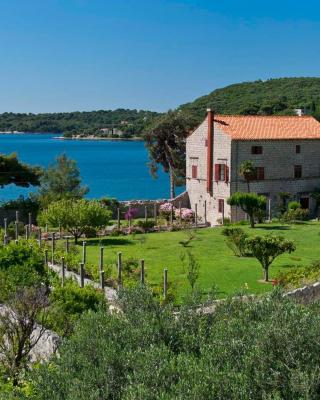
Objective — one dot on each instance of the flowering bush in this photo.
(186, 214)
(131, 213)
(165, 210)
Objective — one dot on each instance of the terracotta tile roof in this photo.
(255, 127)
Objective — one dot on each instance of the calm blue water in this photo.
(116, 169)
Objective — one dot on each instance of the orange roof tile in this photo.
(256, 127)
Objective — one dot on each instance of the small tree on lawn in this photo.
(250, 203)
(266, 248)
(248, 171)
(76, 216)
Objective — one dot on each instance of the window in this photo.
(256, 150)
(259, 174)
(194, 171)
(297, 171)
(220, 205)
(221, 172)
(298, 149)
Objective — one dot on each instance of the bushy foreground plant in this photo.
(250, 203)
(299, 275)
(266, 349)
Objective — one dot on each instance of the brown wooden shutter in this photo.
(194, 171)
(216, 172)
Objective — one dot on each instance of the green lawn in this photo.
(218, 265)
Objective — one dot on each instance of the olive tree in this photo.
(250, 203)
(76, 216)
(267, 248)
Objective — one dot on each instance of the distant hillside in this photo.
(131, 122)
(274, 96)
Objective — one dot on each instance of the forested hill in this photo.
(274, 96)
(132, 122)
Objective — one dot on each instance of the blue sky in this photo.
(66, 55)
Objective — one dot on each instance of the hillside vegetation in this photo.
(274, 96)
(132, 122)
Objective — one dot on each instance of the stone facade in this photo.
(278, 159)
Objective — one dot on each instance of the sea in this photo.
(109, 168)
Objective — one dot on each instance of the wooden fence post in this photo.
(155, 213)
(101, 259)
(53, 247)
(145, 213)
(142, 272)
(222, 219)
(81, 275)
(62, 270)
(67, 245)
(171, 215)
(26, 229)
(16, 226)
(180, 213)
(84, 252)
(165, 283)
(119, 269)
(118, 217)
(269, 209)
(102, 280)
(17, 216)
(30, 222)
(5, 221)
(40, 237)
(46, 259)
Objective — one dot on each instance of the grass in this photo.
(218, 265)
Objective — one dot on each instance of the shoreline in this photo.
(90, 137)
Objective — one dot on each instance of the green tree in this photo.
(61, 181)
(12, 171)
(247, 171)
(250, 203)
(267, 248)
(76, 216)
(166, 144)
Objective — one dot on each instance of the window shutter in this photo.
(226, 173)
(216, 172)
(194, 171)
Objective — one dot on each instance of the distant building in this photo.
(111, 131)
(285, 150)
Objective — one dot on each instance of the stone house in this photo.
(284, 149)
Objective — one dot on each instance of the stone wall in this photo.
(141, 204)
(196, 150)
(305, 294)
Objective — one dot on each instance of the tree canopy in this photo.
(12, 171)
(266, 248)
(166, 146)
(61, 181)
(76, 216)
(250, 203)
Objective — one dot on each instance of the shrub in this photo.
(295, 214)
(186, 214)
(68, 302)
(165, 210)
(146, 226)
(236, 241)
(266, 349)
(299, 275)
(226, 221)
(294, 205)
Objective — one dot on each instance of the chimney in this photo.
(210, 117)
